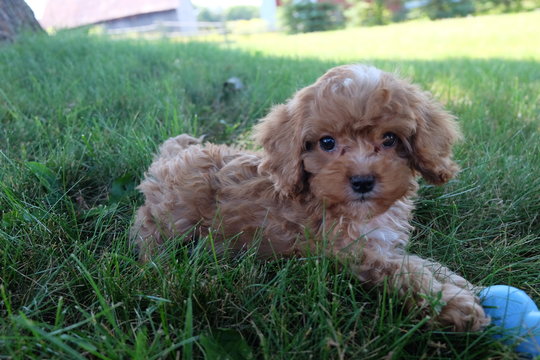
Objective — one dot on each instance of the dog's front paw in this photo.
(462, 311)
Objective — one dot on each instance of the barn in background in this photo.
(120, 14)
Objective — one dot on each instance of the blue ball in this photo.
(516, 315)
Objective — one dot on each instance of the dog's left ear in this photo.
(436, 132)
(280, 135)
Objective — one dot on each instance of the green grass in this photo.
(512, 36)
(80, 118)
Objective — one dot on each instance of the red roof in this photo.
(73, 13)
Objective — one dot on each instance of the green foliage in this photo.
(226, 344)
(364, 13)
(306, 16)
(382, 12)
(506, 6)
(439, 9)
(206, 14)
(241, 12)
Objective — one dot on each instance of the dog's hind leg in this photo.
(171, 147)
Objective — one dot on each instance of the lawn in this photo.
(81, 116)
(513, 36)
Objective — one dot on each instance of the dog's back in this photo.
(183, 188)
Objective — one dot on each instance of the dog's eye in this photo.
(389, 139)
(327, 143)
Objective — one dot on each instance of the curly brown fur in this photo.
(340, 160)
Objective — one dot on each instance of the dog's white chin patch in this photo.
(385, 235)
(390, 229)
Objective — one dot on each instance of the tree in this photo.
(438, 9)
(16, 17)
(368, 13)
(307, 16)
(506, 5)
(242, 12)
(205, 14)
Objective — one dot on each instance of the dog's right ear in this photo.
(279, 133)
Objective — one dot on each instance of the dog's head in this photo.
(357, 137)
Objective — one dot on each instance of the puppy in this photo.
(337, 174)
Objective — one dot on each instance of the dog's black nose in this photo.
(362, 183)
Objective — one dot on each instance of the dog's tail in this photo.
(171, 147)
